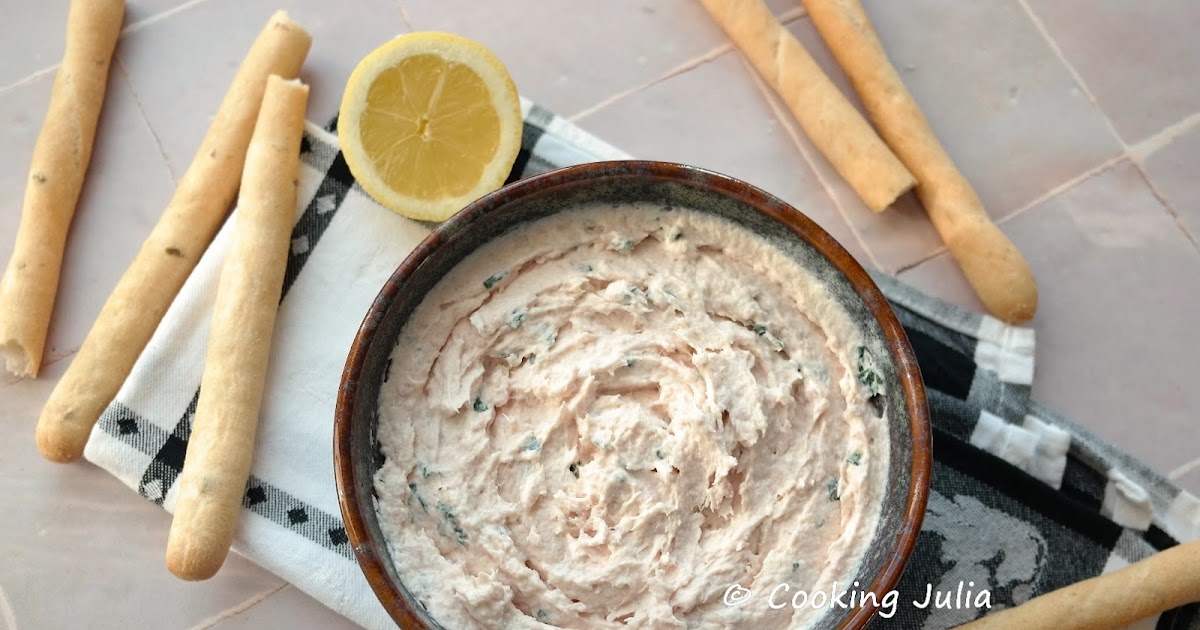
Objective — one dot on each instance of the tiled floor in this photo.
(1079, 128)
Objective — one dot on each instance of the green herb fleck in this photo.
(866, 370)
(585, 268)
(517, 317)
(832, 487)
(39, 178)
(658, 453)
(622, 244)
(413, 488)
(452, 520)
(795, 567)
(493, 279)
(761, 331)
(630, 362)
(531, 444)
(675, 233)
(542, 615)
(479, 405)
(855, 458)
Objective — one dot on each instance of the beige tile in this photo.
(1006, 110)
(1119, 289)
(571, 55)
(87, 550)
(941, 277)
(289, 608)
(669, 121)
(1175, 171)
(34, 33)
(1137, 58)
(180, 69)
(124, 193)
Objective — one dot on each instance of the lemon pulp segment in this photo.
(431, 125)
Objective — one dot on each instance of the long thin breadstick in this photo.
(1166, 580)
(60, 161)
(837, 129)
(991, 263)
(187, 226)
(235, 367)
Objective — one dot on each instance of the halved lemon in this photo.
(430, 122)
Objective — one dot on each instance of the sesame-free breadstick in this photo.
(219, 450)
(167, 256)
(837, 129)
(991, 263)
(60, 161)
(1166, 580)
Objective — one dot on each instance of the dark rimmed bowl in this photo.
(356, 453)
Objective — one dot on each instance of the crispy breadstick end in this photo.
(235, 367)
(837, 129)
(169, 254)
(56, 173)
(990, 261)
(1166, 580)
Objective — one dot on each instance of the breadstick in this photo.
(60, 161)
(188, 224)
(991, 263)
(235, 367)
(837, 129)
(1166, 580)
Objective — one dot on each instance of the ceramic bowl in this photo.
(357, 456)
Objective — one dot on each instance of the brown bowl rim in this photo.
(372, 563)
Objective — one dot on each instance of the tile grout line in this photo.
(239, 608)
(682, 68)
(405, 16)
(1184, 470)
(1070, 183)
(1167, 135)
(29, 79)
(1166, 203)
(793, 135)
(1135, 154)
(126, 30)
(137, 100)
(158, 17)
(1075, 76)
(938, 251)
(1063, 187)
(787, 17)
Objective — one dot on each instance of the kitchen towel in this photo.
(1022, 501)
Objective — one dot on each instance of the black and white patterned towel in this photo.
(1023, 501)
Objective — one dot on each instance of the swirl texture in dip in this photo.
(604, 418)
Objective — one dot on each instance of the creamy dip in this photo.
(605, 418)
